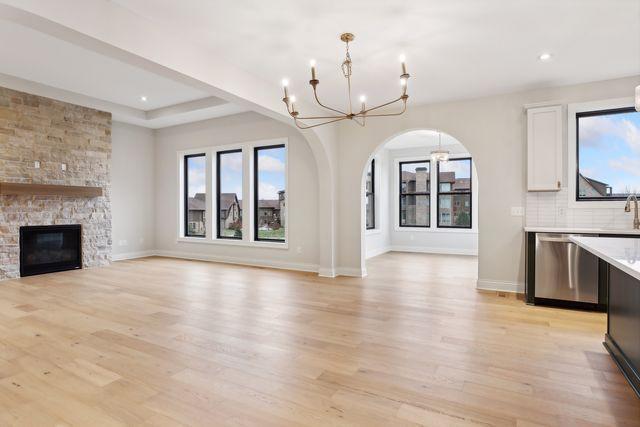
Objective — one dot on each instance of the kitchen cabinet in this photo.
(544, 148)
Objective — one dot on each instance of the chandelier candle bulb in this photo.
(313, 69)
(403, 62)
(285, 85)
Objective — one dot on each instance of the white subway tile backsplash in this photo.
(551, 209)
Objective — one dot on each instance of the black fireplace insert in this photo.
(49, 248)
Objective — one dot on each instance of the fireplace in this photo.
(49, 248)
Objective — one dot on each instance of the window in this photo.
(454, 193)
(415, 189)
(195, 195)
(608, 154)
(229, 194)
(370, 194)
(269, 192)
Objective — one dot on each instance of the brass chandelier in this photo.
(336, 114)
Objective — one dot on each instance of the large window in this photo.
(229, 194)
(415, 190)
(269, 192)
(454, 193)
(608, 154)
(195, 195)
(370, 194)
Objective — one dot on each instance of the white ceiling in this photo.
(455, 49)
(46, 65)
(44, 59)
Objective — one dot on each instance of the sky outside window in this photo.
(231, 173)
(271, 163)
(609, 151)
(197, 175)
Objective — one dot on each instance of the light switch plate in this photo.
(517, 211)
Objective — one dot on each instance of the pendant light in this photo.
(440, 155)
(348, 113)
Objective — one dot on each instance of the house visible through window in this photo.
(229, 194)
(195, 198)
(270, 193)
(454, 193)
(370, 194)
(608, 154)
(415, 189)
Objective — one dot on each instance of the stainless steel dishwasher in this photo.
(563, 270)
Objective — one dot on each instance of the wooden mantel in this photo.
(15, 188)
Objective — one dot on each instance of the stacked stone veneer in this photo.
(33, 129)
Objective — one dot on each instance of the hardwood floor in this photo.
(169, 342)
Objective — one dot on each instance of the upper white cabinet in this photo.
(544, 148)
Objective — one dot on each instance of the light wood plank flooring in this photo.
(169, 342)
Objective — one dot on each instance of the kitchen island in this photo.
(622, 339)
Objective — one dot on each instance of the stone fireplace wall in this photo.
(54, 133)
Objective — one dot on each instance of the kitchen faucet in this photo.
(627, 208)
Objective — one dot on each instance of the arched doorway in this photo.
(415, 204)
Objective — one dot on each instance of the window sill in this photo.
(229, 242)
(436, 230)
(372, 231)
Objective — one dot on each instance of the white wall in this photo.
(302, 194)
(132, 191)
(493, 130)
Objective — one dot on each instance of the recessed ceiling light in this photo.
(544, 56)
(143, 98)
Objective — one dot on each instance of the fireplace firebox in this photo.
(49, 248)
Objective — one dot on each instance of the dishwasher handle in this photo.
(554, 239)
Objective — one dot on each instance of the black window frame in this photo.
(594, 113)
(218, 193)
(470, 193)
(186, 195)
(256, 208)
(400, 194)
(371, 193)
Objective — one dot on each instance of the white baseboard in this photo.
(351, 272)
(427, 250)
(282, 265)
(500, 285)
(327, 272)
(132, 255)
(375, 252)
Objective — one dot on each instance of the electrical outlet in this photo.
(122, 243)
(562, 212)
(63, 166)
(299, 249)
(36, 164)
(517, 211)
